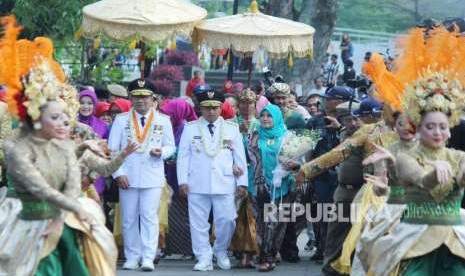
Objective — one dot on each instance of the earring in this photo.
(37, 125)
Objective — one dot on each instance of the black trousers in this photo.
(338, 230)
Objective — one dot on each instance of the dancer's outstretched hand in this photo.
(380, 154)
(443, 170)
(380, 183)
(130, 148)
(300, 178)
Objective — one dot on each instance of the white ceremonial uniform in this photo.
(146, 175)
(205, 164)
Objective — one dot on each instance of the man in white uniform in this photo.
(141, 177)
(208, 150)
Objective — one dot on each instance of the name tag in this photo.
(197, 143)
(158, 129)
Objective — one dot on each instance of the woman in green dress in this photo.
(429, 236)
(51, 229)
(275, 153)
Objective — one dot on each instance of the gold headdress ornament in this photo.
(280, 88)
(247, 96)
(31, 75)
(429, 75)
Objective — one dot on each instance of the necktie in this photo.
(142, 121)
(210, 128)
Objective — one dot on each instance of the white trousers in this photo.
(139, 216)
(224, 220)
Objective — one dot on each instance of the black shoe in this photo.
(310, 245)
(318, 258)
(292, 259)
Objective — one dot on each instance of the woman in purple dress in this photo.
(88, 105)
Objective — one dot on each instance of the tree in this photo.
(6, 6)
(56, 19)
(321, 15)
(281, 8)
(386, 16)
(394, 15)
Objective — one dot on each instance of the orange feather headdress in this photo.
(30, 74)
(429, 75)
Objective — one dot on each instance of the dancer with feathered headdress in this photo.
(39, 230)
(426, 235)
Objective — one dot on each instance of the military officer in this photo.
(141, 177)
(208, 150)
(363, 127)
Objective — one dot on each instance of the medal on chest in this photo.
(141, 136)
(211, 148)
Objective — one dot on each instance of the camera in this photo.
(359, 82)
(269, 79)
(268, 76)
(327, 121)
(367, 56)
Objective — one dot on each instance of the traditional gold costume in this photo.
(428, 236)
(45, 174)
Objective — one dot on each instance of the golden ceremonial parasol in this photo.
(248, 32)
(142, 20)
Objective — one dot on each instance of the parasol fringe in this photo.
(121, 32)
(78, 34)
(132, 44)
(290, 61)
(173, 44)
(276, 46)
(96, 43)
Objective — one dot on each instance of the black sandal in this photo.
(246, 262)
(265, 267)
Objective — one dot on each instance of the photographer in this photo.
(324, 185)
(349, 75)
(362, 85)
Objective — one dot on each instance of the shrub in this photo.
(167, 72)
(182, 58)
(164, 86)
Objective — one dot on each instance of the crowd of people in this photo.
(86, 177)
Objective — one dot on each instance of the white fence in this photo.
(364, 41)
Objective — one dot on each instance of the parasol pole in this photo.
(231, 61)
(250, 71)
(253, 9)
(142, 59)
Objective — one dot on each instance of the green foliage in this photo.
(214, 6)
(104, 73)
(6, 6)
(57, 19)
(373, 15)
(394, 15)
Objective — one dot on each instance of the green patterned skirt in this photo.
(66, 259)
(438, 262)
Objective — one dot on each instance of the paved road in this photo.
(177, 268)
(173, 267)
